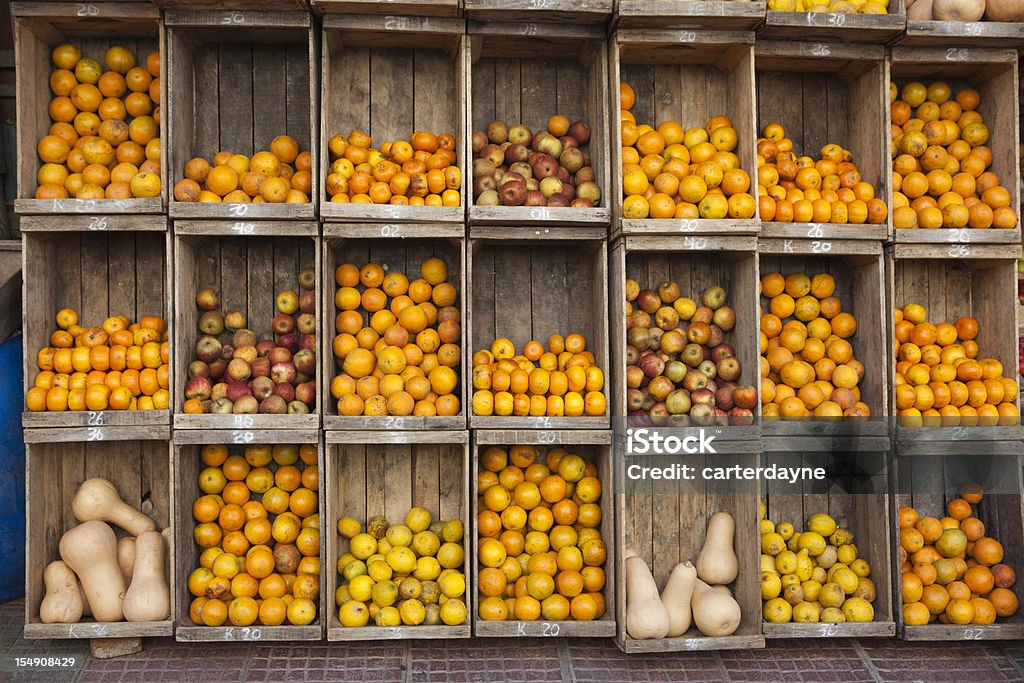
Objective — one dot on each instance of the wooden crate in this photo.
(665, 524)
(653, 260)
(246, 272)
(562, 11)
(930, 478)
(958, 33)
(187, 466)
(237, 80)
(412, 76)
(387, 473)
(859, 272)
(994, 74)
(859, 503)
(423, 8)
(828, 26)
(828, 93)
(526, 73)
(142, 472)
(700, 14)
(592, 446)
(950, 282)
(98, 275)
(94, 27)
(522, 291)
(275, 5)
(690, 77)
(359, 244)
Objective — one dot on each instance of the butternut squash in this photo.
(62, 603)
(148, 597)
(646, 616)
(958, 10)
(126, 556)
(714, 612)
(97, 499)
(676, 598)
(1004, 10)
(90, 551)
(921, 11)
(86, 610)
(717, 563)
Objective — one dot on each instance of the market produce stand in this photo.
(362, 339)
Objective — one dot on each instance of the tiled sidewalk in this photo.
(524, 661)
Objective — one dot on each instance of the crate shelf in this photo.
(830, 26)
(690, 14)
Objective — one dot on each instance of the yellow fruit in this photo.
(361, 588)
(777, 611)
(771, 585)
(354, 614)
(453, 612)
(821, 524)
(805, 613)
(812, 542)
(362, 546)
(348, 527)
(786, 562)
(858, 610)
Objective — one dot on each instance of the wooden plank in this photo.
(958, 33)
(581, 11)
(686, 14)
(439, 8)
(830, 26)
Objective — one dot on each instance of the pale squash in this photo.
(90, 551)
(148, 597)
(1004, 10)
(958, 10)
(646, 616)
(717, 563)
(62, 603)
(97, 499)
(676, 598)
(921, 11)
(714, 612)
(126, 556)
(86, 610)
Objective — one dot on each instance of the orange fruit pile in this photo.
(398, 359)
(563, 380)
(267, 176)
(940, 382)
(258, 528)
(808, 367)
(672, 172)
(420, 171)
(119, 366)
(540, 548)
(799, 189)
(104, 142)
(951, 571)
(940, 161)
(402, 574)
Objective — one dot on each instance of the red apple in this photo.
(198, 387)
(247, 405)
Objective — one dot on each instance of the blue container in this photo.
(12, 472)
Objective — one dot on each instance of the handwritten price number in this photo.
(973, 633)
(540, 214)
(390, 231)
(831, 630)
(527, 29)
(815, 231)
(238, 210)
(821, 247)
(98, 223)
(830, 19)
(95, 419)
(960, 251)
(86, 10)
(687, 36)
(957, 54)
(393, 23)
(87, 630)
(546, 437)
(972, 29)
(688, 225)
(242, 437)
(394, 423)
(821, 50)
(959, 235)
(539, 4)
(551, 629)
(95, 434)
(233, 18)
(245, 633)
(244, 421)
(244, 228)
(547, 629)
(695, 242)
(541, 422)
(393, 632)
(960, 432)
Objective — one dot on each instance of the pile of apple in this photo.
(235, 372)
(679, 370)
(514, 167)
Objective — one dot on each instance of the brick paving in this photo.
(520, 661)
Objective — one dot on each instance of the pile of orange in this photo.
(940, 382)
(400, 358)
(672, 172)
(540, 548)
(951, 572)
(563, 380)
(418, 172)
(120, 365)
(799, 189)
(808, 367)
(267, 176)
(258, 526)
(940, 162)
(104, 142)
